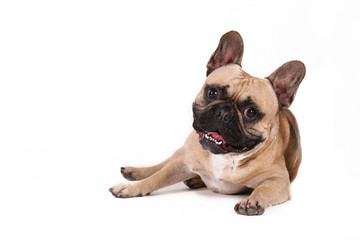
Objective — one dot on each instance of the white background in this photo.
(89, 86)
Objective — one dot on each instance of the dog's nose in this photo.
(224, 114)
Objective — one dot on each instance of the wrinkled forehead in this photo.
(240, 86)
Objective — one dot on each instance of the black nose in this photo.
(225, 114)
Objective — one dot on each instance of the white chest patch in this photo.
(221, 169)
(221, 163)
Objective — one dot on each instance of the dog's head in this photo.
(234, 111)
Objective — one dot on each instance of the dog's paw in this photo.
(131, 173)
(249, 207)
(194, 183)
(127, 190)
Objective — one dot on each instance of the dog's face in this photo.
(235, 112)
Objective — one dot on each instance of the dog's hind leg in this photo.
(140, 173)
(194, 183)
(174, 170)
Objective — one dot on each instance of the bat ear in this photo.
(229, 50)
(286, 80)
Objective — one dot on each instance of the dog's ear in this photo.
(286, 80)
(229, 50)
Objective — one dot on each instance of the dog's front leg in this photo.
(270, 192)
(173, 172)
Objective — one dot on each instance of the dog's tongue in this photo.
(217, 136)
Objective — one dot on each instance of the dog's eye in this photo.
(212, 93)
(250, 113)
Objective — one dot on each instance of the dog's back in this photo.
(292, 152)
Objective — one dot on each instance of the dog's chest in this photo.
(219, 174)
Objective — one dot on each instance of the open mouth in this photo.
(213, 137)
(216, 143)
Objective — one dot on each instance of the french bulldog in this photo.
(245, 139)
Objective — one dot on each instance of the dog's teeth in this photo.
(209, 137)
(214, 140)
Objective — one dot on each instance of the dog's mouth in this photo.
(214, 137)
(216, 143)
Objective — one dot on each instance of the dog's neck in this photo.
(234, 159)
